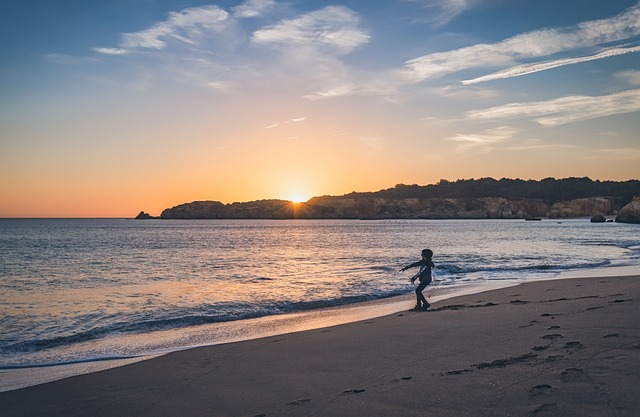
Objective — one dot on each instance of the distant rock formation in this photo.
(354, 207)
(630, 213)
(422, 208)
(582, 207)
(598, 218)
(144, 216)
(484, 198)
(264, 209)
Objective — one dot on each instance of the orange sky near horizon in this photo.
(234, 101)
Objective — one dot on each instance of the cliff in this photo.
(463, 199)
(582, 207)
(382, 208)
(630, 213)
(422, 208)
(264, 209)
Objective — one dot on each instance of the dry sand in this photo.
(550, 348)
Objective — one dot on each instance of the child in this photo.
(424, 275)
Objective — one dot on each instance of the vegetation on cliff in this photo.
(467, 199)
(549, 190)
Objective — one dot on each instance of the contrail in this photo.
(543, 66)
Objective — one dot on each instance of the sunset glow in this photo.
(297, 199)
(108, 109)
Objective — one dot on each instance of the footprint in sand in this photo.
(573, 345)
(501, 363)
(553, 337)
(552, 315)
(540, 348)
(540, 389)
(353, 391)
(299, 402)
(572, 374)
(545, 408)
(458, 372)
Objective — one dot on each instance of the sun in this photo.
(297, 198)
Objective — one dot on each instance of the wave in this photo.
(189, 318)
(454, 269)
(70, 362)
(224, 312)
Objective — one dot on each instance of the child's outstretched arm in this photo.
(413, 265)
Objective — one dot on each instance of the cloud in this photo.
(465, 93)
(211, 47)
(620, 154)
(540, 147)
(111, 51)
(186, 26)
(442, 12)
(253, 8)
(535, 44)
(520, 70)
(485, 140)
(565, 109)
(334, 27)
(373, 144)
(294, 120)
(219, 85)
(631, 76)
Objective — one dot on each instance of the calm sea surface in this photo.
(81, 290)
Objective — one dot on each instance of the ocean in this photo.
(86, 290)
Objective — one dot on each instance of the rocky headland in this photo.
(464, 199)
(630, 213)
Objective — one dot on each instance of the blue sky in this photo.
(111, 107)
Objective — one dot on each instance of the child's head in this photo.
(427, 253)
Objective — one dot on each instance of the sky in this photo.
(111, 107)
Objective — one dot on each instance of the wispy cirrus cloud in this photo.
(530, 45)
(485, 140)
(565, 109)
(334, 27)
(186, 26)
(292, 120)
(526, 69)
(631, 76)
(209, 46)
(441, 12)
(537, 145)
(253, 8)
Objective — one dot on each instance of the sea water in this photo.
(77, 290)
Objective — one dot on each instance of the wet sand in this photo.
(559, 347)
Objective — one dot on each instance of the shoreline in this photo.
(566, 347)
(251, 329)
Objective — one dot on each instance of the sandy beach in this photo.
(559, 347)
